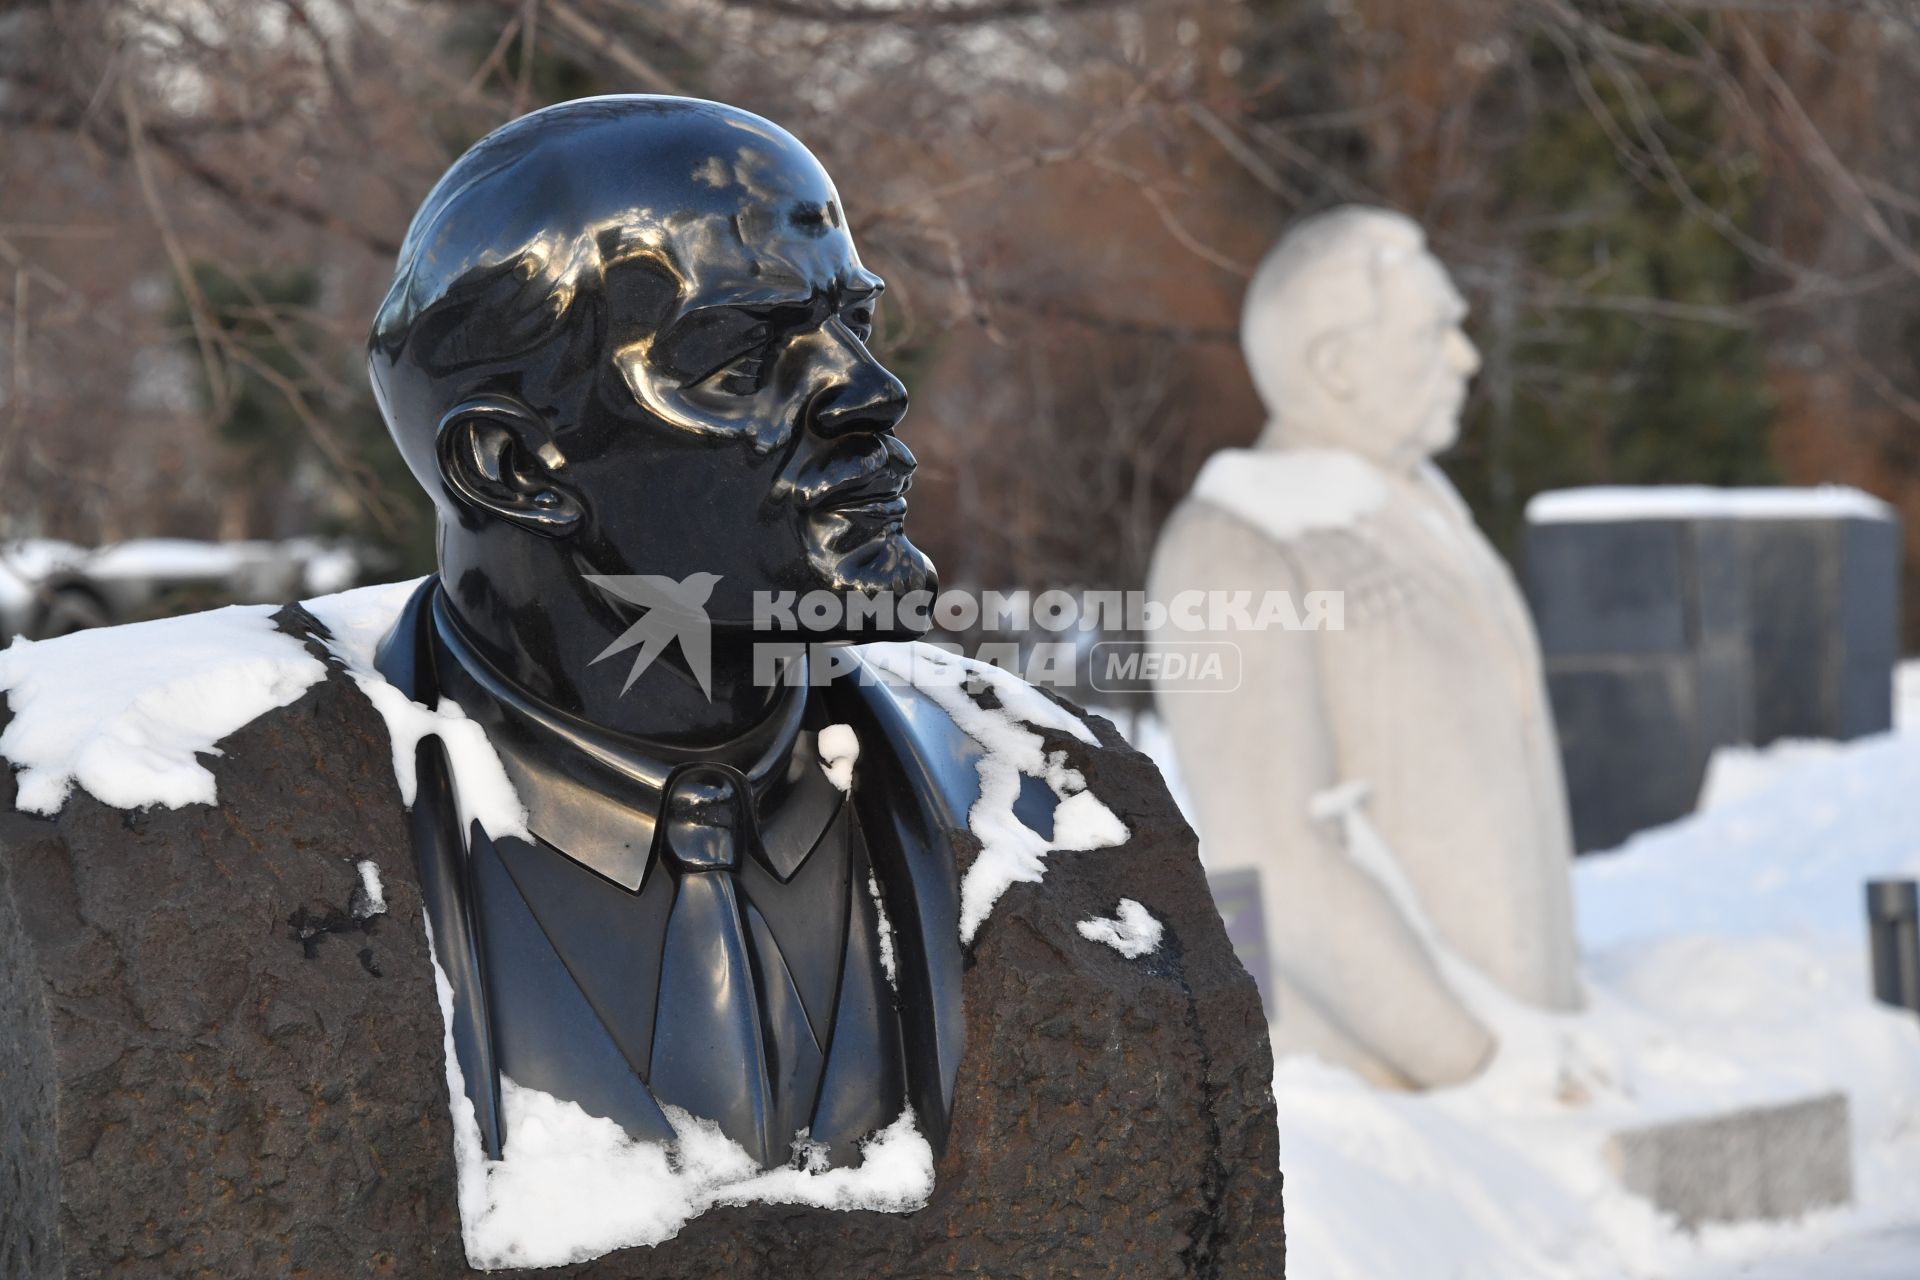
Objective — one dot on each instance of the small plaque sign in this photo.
(1236, 896)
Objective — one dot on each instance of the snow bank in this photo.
(1287, 492)
(1010, 851)
(1787, 857)
(1507, 1175)
(1739, 770)
(123, 712)
(1724, 957)
(1132, 931)
(1692, 502)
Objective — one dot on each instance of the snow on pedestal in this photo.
(123, 712)
(1132, 931)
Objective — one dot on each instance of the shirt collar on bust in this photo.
(595, 795)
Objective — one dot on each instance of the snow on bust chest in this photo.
(124, 713)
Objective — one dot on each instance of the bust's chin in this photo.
(885, 563)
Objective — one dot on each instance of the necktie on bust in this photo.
(709, 1050)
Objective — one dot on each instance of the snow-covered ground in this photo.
(1725, 962)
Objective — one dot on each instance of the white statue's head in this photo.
(1352, 333)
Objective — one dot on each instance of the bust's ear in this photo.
(498, 457)
(1327, 359)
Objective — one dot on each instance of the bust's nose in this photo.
(1462, 355)
(863, 397)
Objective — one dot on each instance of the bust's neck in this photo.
(1294, 430)
(528, 611)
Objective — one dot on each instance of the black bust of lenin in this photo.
(625, 353)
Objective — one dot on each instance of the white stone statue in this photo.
(1396, 782)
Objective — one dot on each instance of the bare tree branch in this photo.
(925, 15)
(599, 38)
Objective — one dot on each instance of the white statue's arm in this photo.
(1253, 762)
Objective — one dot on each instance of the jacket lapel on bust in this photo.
(915, 782)
(405, 659)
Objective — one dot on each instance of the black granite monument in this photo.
(626, 355)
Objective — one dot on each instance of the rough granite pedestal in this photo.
(209, 1067)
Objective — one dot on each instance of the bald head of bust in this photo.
(1351, 330)
(627, 335)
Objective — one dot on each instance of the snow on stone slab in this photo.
(1607, 503)
(1011, 852)
(1133, 931)
(360, 619)
(369, 896)
(572, 1186)
(1288, 492)
(123, 712)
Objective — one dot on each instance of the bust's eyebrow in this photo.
(763, 306)
(703, 338)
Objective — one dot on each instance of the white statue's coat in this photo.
(1396, 782)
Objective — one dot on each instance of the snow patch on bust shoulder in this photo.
(123, 712)
(883, 926)
(839, 750)
(360, 619)
(485, 794)
(1287, 492)
(1011, 852)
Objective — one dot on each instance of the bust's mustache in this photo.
(877, 470)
